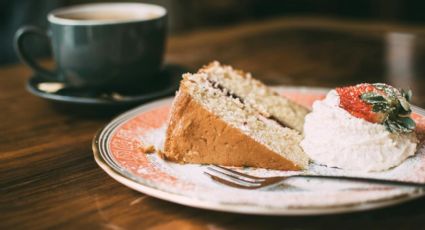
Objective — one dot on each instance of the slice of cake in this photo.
(223, 116)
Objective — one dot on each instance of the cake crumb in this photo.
(161, 154)
(148, 149)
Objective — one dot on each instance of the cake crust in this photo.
(195, 135)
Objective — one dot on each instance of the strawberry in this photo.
(350, 100)
(378, 103)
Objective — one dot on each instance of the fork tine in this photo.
(236, 177)
(238, 173)
(230, 183)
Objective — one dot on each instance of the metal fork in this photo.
(236, 179)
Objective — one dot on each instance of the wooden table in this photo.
(49, 179)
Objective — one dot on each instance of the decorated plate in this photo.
(118, 151)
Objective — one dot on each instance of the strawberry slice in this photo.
(350, 99)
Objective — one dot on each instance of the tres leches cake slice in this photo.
(223, 116)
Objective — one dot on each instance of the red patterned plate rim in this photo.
(126, 176)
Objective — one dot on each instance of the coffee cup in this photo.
(111, 46)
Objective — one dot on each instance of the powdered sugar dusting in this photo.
(154, 137)
(297, 192)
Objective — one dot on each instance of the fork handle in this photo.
(366, 180)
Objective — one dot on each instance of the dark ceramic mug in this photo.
(114, 46)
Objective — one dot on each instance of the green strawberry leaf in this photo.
(372, 97)
(401, 125)
(404, 104)
(406, 94)
(407, 122)
(394, 104)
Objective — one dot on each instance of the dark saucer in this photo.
(167, 85)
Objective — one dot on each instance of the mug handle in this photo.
(20, 36)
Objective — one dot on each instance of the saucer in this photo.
(171, 75)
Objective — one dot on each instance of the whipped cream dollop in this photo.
(335, 138)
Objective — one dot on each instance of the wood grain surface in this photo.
(49, 179)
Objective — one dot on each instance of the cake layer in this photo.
(254, 92)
